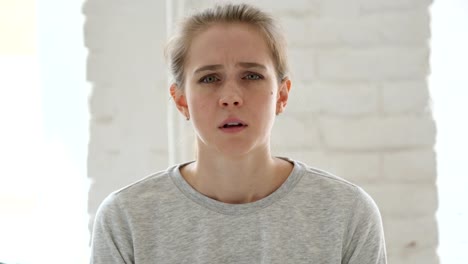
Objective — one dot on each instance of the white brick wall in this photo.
(405, 97)
(128, 105)
(359, 105)
(377, 133)
(385, 63)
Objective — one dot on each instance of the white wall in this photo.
(358, 108)
(128, 127)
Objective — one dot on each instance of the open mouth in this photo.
(230, 125)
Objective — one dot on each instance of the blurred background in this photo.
(83, 112)
(44, 132)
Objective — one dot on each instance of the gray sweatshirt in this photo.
(314, 217)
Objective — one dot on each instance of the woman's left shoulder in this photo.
(322, 178)
(326, 185)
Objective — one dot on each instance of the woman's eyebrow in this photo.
(251, 65)
(208, 68)
(214, 67)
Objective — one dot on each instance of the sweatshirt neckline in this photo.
(235, 209)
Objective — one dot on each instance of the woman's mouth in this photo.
(232, 125)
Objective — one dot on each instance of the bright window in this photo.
(43, 113)
(449, 91)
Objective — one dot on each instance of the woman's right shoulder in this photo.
(155, 187)
(147, 183)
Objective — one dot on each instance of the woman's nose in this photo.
(231, 96)
(230, 101)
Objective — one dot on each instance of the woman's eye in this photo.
(252, 76)
(209, 79)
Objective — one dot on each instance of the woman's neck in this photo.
(236, 180)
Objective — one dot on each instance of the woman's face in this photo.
(231, 90)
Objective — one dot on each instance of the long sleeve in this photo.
(111, 238)
(364, 242)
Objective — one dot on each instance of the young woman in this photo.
(236, 203)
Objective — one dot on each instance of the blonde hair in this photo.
(178, 45)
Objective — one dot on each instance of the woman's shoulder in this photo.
(325, 185)
(324, 178)
(155, 187)
(156, 180)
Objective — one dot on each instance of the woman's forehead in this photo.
(228, 44)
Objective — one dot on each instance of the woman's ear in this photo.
(283, 95)
(180, 100)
